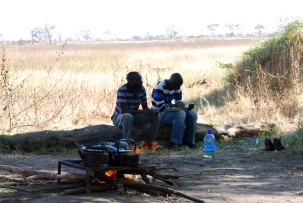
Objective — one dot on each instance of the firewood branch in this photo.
(138, 185)
(17, 170)
(50, 176)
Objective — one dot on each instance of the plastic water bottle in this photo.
(209, 145)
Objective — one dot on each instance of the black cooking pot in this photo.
(125, 157)
(109, 155)
(94, 156)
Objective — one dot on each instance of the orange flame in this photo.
(144, 145)
(110, 173)
(131, 177)
(154, 146)
(99, 181)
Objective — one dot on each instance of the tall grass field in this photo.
(73, 85)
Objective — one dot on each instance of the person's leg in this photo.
(191, 121)
(125, 120)
(142, 119)
(177, 119)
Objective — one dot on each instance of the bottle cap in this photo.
(210, 131)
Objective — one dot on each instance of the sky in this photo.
(126, 18)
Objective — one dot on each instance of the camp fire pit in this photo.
(89, 171)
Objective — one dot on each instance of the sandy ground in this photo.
(238, 174)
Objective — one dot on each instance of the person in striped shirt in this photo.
(127, 113)
(163, 93)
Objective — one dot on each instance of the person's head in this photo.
(134, 80)
(175, 81)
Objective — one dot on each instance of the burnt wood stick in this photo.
(34, 175)
(162, 189)
(139, 185)
(164, 180)
(145, 178)
(94, 188)
(167, 176)
(51, 176)
(18, 188)
(55, 188)
(136, 170)
(10, 179)
(17, 170)
(165, 168)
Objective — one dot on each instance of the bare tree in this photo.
(259, 29)
(48, 32)
(59, 37)
(233, 27)
(37, 34)
(171, 32)
(85, 34)
(212, 28)
(107, 34)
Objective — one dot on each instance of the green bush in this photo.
(295, 141)
(281, 54)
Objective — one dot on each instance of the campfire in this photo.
(116, 168)
(109, 178)
(145, 146)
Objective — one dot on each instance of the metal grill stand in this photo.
(139, 170)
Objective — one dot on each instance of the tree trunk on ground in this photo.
(97, 133)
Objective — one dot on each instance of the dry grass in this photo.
(55, 88)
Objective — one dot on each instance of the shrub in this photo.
(295, 141)
(280, 56)
(270, 74)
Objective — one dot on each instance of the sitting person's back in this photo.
(163, 93)
(127, 113)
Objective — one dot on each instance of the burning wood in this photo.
(111, 173)
(145, 146)
(131, 177)
(97, 179)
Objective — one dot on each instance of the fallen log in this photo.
(243, 130)
(97, 133)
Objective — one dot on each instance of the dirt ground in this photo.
(236, 174)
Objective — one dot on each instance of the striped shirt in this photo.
(132, 100)
(162, 96)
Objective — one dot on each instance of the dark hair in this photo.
(132, 74)
(176, 78)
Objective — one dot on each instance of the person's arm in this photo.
(158, 99)
(123, 109)
(178, 99)
(180, 103)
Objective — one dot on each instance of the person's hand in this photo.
(180, 104)
(150, 112)
(191, 106)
